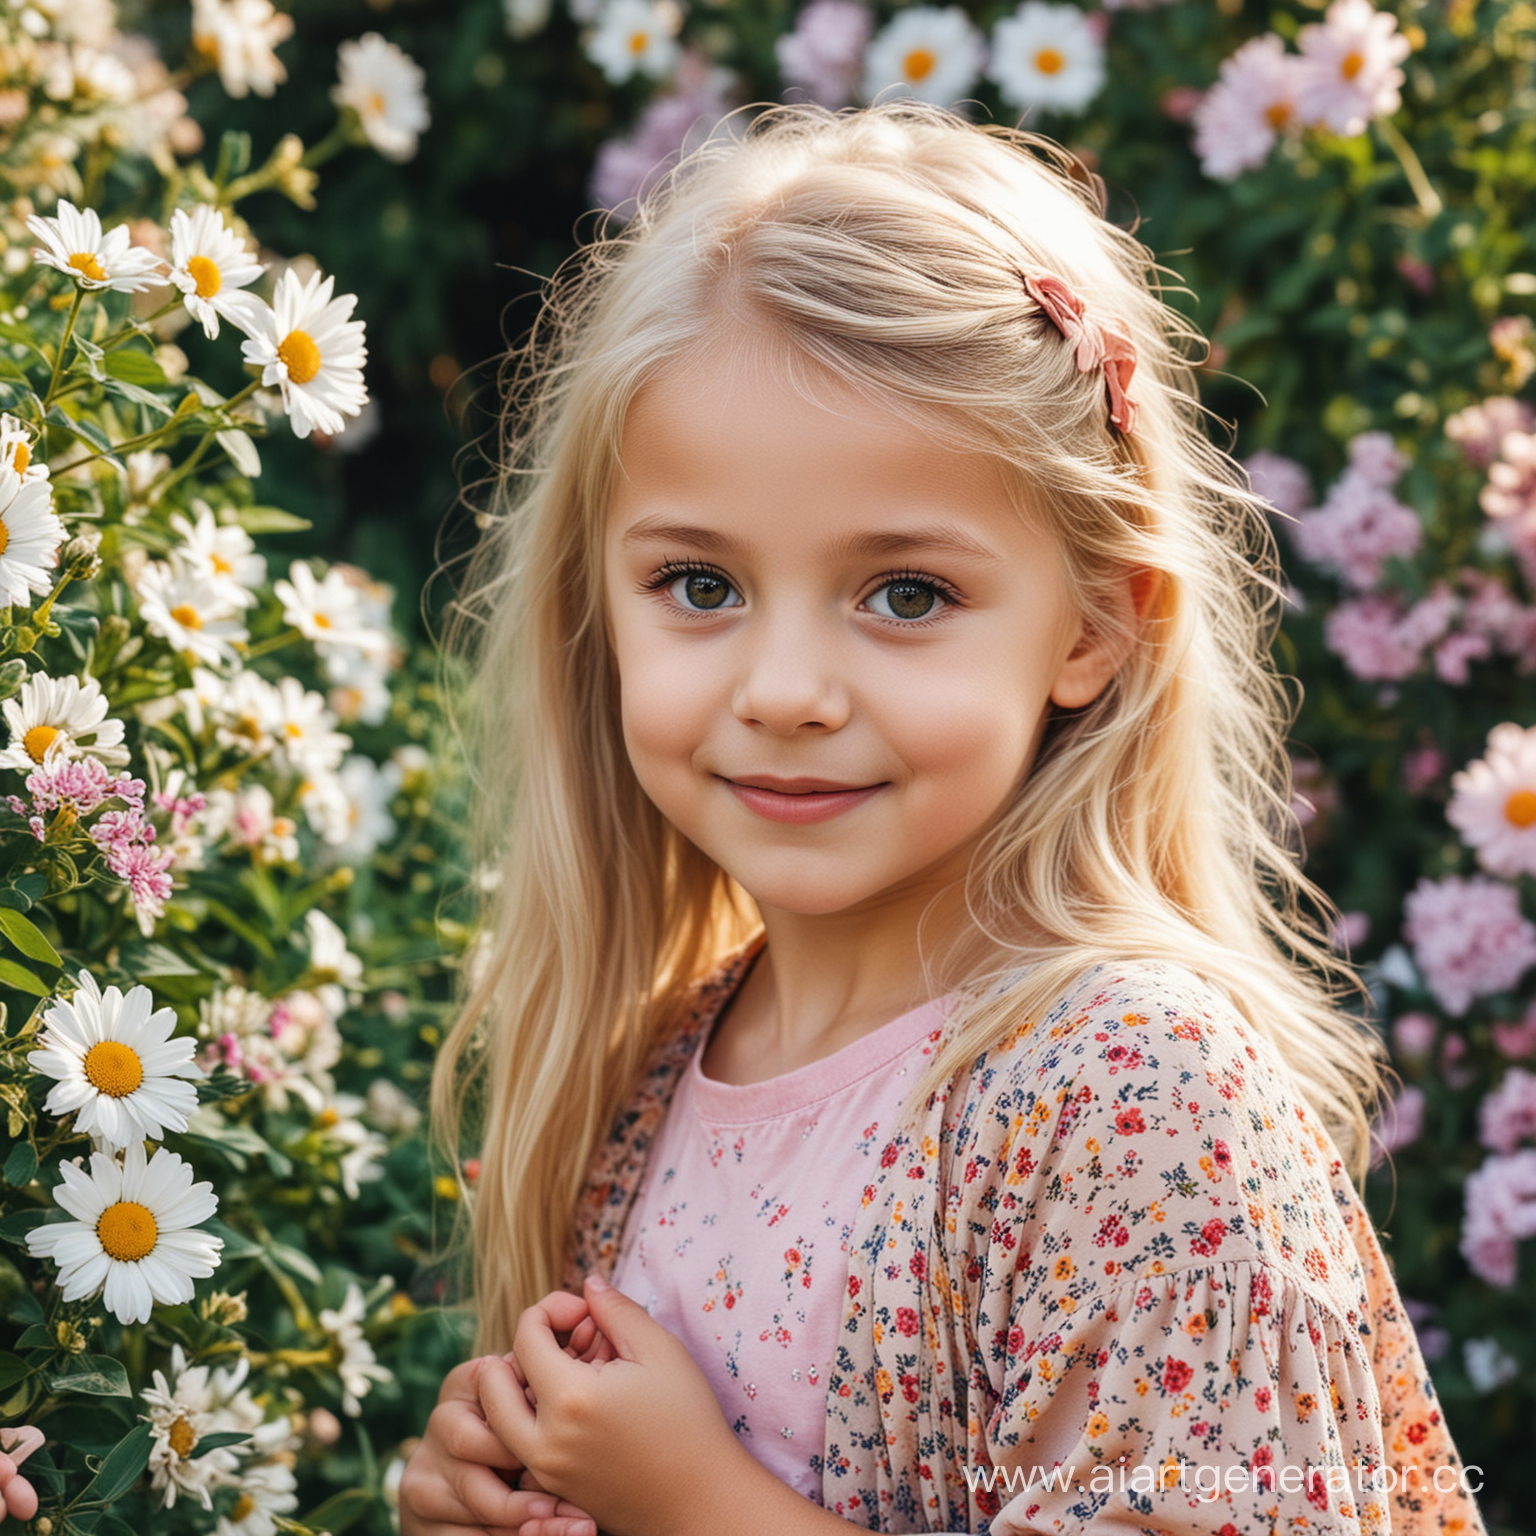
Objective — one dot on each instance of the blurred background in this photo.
(1342, 199)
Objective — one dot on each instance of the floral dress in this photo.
(1118, 1280)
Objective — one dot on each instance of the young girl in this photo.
(902, 1068)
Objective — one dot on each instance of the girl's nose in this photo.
(791, 676)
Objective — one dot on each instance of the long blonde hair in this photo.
(885, 245)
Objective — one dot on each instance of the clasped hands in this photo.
(615, 1430)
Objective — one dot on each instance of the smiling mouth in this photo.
(799, 787)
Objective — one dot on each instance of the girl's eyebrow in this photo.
(942, 538)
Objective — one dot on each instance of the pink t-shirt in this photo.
(738, 1239)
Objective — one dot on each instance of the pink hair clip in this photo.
(1098, 346)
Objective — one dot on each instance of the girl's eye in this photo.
(695, 590)
(698, 584)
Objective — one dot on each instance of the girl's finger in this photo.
(582, 1335)
(555, 1526)
(507, 1409)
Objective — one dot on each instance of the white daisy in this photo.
(247, 714)
(181, 1416)
(224, 552)
(359, 685)
(134, 1234)
(118, 1067)
(328, 612)
(303, 729)
(73, 242)
(267, 1489)
(30, 536)
(1251, 104)
(61, 717)
(383, 85)
(1350, 62)
(339, 971)
(248, 818)
(191, 612)
(360, 1163)
(16, 449)
(362, 819)
(238, 37)
(931, 53)
(357, 1367)
(1493, 802)
(306, 345)
(636, 37)
(1047, 56)
(211, 265)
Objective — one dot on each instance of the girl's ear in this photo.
(1098, 654)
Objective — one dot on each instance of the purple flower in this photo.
(1375, 456)
(669, 126)
(824, 55)
(1380, 642)
(1401, 1124)
(1282, 482)
(1468, 937)
(1359, 526)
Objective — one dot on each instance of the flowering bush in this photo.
(224, 832)
(1345, 191)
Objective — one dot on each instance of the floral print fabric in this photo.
(1128, 1245)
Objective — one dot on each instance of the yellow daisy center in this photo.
(327, 1118)
(5, 536)
(1278, 114)
(86, 264)
(127, 1231)
(322, 621)
(637, 42)
(204, 271)
(300, 356)
(21, 458)
(1050, 61)
(1351, 64)
(376, 103)
(38, 740)
(243, 1506)
(918, 64)
(1520, 808)
(293, 728)
(221, 565)
(183, 1437)
(113, 1068)
(187, 616)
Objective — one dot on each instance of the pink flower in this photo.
(1511, 488)
(1517, 1040)
(1179, 102)
(1479, 429)
(1454, 655)
(1360, 525)
(1508, 1114)
(1493, 802)
(1422, 766)
(1419, 275)
(1500, 1212)
(1468, 937)
(1401, 1124)
(1413, 1034)
(1351, 930)
(1378, 641)
(1282, 482)
(1253, 101)
(824, 55)
(1350, 72)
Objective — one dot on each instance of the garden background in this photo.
(232, 792)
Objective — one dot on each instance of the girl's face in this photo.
(797, 593)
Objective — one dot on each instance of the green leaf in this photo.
(340, 1510)
(135, 367)
(236, 1244)
(291, 1259)
(213, 1442)
(12, 1369)
(271, 520)
(36, 1337)
(94, 1375)
(26, 936)
(152, 959)
(138, 395)
(12, 975)
(14, 1227)
(21, 1165)
(92, 354)
(241, 450)
(123, 1467)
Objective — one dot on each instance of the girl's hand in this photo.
(17, 1495)
(637, 1439)
(452, 1485)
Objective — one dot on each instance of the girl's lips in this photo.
(816, 805)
